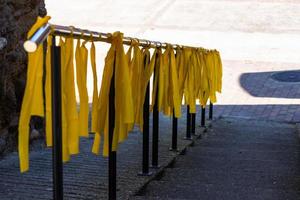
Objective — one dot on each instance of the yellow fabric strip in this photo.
(204, 89)
(81, 56)
(155, 92)
(165, 69)
(32, 103)
(189, 85)
(123, 96)
(182, 71)
(147, 73)
(220, 71)
(65, 149)
(137, 66)
(102, 109)
(95, 91)
(69, 107)
(212, 80)
(187, 57)
(161, 81)
(48, 95)
(175, 103)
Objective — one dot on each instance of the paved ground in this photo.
(85, 176)
(255, 37)
(251, 92)
(235, 159)
(238, 159)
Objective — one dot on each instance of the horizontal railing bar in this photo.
(41, 34)
(37, 38)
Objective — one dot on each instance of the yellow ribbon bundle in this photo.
(115, 62)
(203, 77)
(183, 73)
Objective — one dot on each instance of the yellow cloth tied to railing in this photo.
(203, 69)
(193, 74)
(181, 71)
(203, 90)
(157, 90)
(70, 122)
(219, 69)
(33, 103)
(95, 90)
(48, 92)
(167, 83)
(190, 89)
(148, 69)
(81, 57)
(211, 75)
(136, 71)
(174, 94)
(115, 62)
(214, 67)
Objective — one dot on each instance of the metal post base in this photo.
(188, 138)
(174, 150)
(145, 174)
(155, 166)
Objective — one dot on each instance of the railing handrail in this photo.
(42, 33)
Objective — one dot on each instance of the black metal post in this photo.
(193, 116)
(174, 129)
(188, 124)
(211, 107)
(112, 159)
(203, 117)
(57, 164)
(155, 129)
(174, 133)
(145, 164)
(45, 44)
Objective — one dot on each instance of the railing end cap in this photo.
(30, 46)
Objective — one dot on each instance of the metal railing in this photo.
(68, 31)
(58, 30)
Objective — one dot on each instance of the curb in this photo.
(169, 163)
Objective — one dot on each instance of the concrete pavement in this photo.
(86, 175)
(253, 36)
(237, 159)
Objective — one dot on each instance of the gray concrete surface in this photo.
(86, 175)
(237, 160)
(255, 37)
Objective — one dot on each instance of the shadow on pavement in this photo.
(268, 84)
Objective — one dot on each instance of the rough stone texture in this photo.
(3, 43)
(237, 159)
(16, 17)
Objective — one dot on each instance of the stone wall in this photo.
(16, 17)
